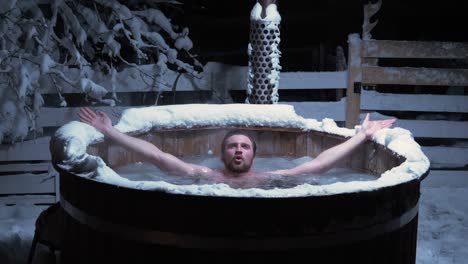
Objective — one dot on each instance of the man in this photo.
(238, 152)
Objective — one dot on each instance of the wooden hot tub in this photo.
(113, 223)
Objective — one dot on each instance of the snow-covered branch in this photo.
(82, 45)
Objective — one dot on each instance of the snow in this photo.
(256, 51)
(355, 42)
(271, 13)
(443, 226)
(71, 140)
(17, 231)
(442, 230)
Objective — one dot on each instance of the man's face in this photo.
(238, 154)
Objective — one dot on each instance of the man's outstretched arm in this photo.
(163, 160)
(330, 157)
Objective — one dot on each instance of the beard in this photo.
(238, 168)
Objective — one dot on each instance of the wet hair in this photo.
(238, 132)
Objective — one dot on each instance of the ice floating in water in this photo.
(69, 144)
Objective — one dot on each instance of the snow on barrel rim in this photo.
(69, 144)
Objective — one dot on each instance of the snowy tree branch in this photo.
(72, 43)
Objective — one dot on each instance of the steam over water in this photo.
(143, 171)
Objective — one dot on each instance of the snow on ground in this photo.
(443, 226)
(442, 235)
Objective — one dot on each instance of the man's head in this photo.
(238, 151)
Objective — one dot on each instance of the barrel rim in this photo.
(94, 165)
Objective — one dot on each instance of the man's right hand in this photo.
(98, 120)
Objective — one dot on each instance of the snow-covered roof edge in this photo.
(69, 144)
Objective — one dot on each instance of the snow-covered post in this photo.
(264, 54)
(353, 98)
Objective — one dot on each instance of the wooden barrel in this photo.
(124, 225)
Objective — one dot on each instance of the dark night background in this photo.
(219, 29)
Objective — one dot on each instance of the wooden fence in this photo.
(26, 174)
(430, 99)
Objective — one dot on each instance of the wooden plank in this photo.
(235, 78)
(446, 178)
(28, 199)
(58, 116)
(435, 128)
(43, 166)
(37, 149)
(372, 100)
(216, 75)
(415, 49)
(320, 110)
(446, 157)
(313, 80)
(27, 183)
(414, 76)
(428, 128)
(353, 99)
